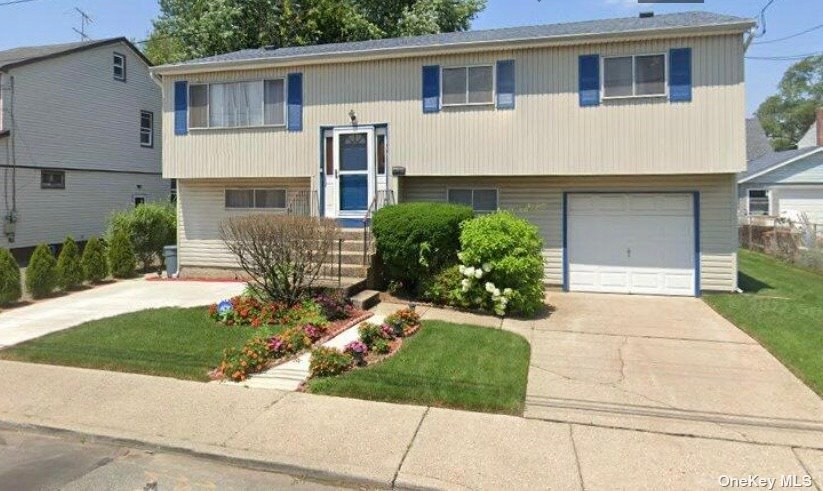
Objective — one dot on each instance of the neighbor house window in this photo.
(758, 202)
(53, 179)
(481, 200)
(119, 67)
(634, 76)
(238, 104)
(256, 198)
(146, 128)
(468, 85)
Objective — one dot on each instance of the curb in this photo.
(295, 470)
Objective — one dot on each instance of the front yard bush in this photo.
(417, 240)
(68, 269)
(94, 264)
(251, 358)
(327, 362)
(149, 227)
(41, 279)
(502, 264)
(121, 255)
(440, 289)
(10, 290)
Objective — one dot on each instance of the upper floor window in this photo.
(119, 67)
(468, 85)
(146, 128)
(481, 200)
(237, 104)
(758, 202)
(53, 179)
(634, 76)
(256, 198)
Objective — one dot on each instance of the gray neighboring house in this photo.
(79, 138)
(785, 183)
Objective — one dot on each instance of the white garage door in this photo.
(803, 200)
(631, 243)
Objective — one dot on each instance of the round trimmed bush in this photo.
(93, 262)
(10, 290)
(513, 248)
(68, 270)
(121, 255)
(41, 278)
(417, 240)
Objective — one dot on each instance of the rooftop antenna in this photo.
(85, 20)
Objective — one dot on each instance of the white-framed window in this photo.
(381, 150)
(481, 200)
(467, 85)
(119, 67)
(146, 129)
(634, 76)
(250, 104)
(52, 179)
(758, 202)
(260, 198)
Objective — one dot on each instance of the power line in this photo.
(14, 2)
(763, 17)
(785, 57)
(811, 29)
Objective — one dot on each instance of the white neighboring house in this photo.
(79, 139)
(786, 183)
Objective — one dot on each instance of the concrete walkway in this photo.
(376, 444)
(55, 314)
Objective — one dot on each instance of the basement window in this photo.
(52, 179)
(481, 200)
(274, 199)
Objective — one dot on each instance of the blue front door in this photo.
(353, 166)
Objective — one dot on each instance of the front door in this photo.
(353, 170)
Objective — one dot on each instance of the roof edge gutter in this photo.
(405, 52)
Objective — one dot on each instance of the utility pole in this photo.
(85, 21)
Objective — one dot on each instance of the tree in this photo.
(194, 28)
(93, 262)
(40, 277)
(150, 227)
(69, 272)
(787, 115)
(10, 290)
(121, 255)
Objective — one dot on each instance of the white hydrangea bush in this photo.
(476, 293)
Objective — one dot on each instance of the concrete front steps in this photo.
(352, 270)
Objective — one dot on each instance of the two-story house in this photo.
(620, 139)
(79, 139)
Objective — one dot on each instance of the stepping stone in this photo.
(366, 299)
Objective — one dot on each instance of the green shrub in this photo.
(9, 278)
(417, 240)
(94, 264)
(121, 255)
(327, 362)
(41, 278)
(440, 288)
(380, 346)
(149, 227)
(68, 269)
(369, 333)
(508, 252)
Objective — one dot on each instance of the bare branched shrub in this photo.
(283, 254)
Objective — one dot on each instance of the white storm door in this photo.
(353, 170)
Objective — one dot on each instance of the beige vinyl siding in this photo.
(548, 133)
(201, 209)
(540, 199)
(82, 209)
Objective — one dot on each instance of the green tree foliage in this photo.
(41, 278)
(121, 255)
(9, 278)
(787, 115)
(194, 28)
(149, 227)
(69, 272)
(93, 262)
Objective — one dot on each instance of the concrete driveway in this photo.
(55, 314)
(662, 364)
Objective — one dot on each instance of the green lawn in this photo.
(444, 365)
(170, 342)
(782, 308)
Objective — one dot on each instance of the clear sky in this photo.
(51, 21)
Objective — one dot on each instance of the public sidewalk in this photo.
(376, 444)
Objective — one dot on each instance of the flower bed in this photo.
(376, 343)
(283, 332)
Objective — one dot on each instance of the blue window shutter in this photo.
(295, 101)
(505, 84)
(181, 108)
(680, 76)
(589, 73)
(431, 89)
